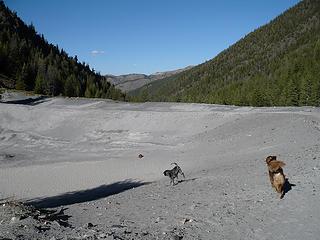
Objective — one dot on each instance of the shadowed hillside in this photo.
(277, 64)
(29, 62)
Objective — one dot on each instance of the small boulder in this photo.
(186, 220)
(176, 237)
(90, 225)
(144, 233)
(14, 219)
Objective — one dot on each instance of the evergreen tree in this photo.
(53, 83)
(70, 87)
(316, 53)
(292, 94)
(305, 92)
(145, 95)
(40, 78)
(22, 78)
(315, 95)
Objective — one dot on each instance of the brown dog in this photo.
(276, 175)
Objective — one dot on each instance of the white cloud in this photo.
(96, 52)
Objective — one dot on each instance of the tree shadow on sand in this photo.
(28, 101)
(287, 186)
(85, 195)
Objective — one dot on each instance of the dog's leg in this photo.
(282, 195)
(180, 171)
(271, 179)
(279, 188)
(174, 183)
(282, 191)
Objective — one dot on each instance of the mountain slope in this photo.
(29, 62)
(130, 82)
(276, 64)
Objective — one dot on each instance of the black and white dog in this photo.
(173, 173)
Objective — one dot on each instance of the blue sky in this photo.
(145, 36)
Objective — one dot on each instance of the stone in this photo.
(14, 219)
(144, 233)
(90, 225)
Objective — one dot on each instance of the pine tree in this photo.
(70, 86)
(315, 94)
(22, 78)
(292, 94)
(53, 83)
(305, 92)
(316, 52)
(40, 78)
(144, 96)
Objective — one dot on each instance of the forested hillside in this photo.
(29, 62)
(277, 64)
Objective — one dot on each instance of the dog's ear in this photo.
(279, 164)
(268, 159)
(275, 166)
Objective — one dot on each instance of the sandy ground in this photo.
(83, 155)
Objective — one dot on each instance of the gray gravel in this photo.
(82, 155)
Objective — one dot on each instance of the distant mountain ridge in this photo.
(277, 64)
(129, 82)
